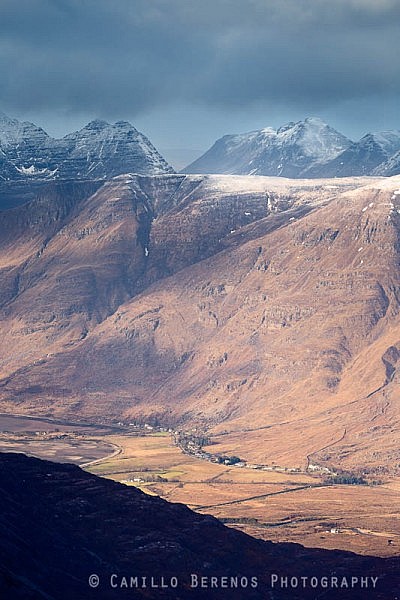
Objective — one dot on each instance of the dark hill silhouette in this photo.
(60, 525)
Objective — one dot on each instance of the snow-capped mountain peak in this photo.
(308, 148)
(98, 150)
(287, 151)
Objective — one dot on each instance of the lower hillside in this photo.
(64, 529)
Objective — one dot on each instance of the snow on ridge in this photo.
(385, 183)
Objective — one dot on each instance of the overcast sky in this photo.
(186, 72)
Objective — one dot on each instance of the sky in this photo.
(186, 72)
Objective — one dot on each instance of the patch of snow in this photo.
(268, 131)
(27, 170)
(385, 183)
(32, 170)
(245, 184)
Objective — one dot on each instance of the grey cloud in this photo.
(129, 56)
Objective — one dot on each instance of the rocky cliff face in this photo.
(61, 525)
(99, 150)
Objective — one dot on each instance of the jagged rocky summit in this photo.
(98, 151)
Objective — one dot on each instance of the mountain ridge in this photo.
(98, 150)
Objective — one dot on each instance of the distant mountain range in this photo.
(306, 149)
(98, 151)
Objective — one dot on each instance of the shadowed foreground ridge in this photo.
(60, 524)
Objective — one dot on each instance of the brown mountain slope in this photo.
(67, 263)
(70, 257)
(290, 334)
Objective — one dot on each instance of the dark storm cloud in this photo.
(112, 57)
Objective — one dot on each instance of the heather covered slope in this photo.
(282, 333)
(60, 525)
(70, 257)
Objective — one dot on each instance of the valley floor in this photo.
(272, 505)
